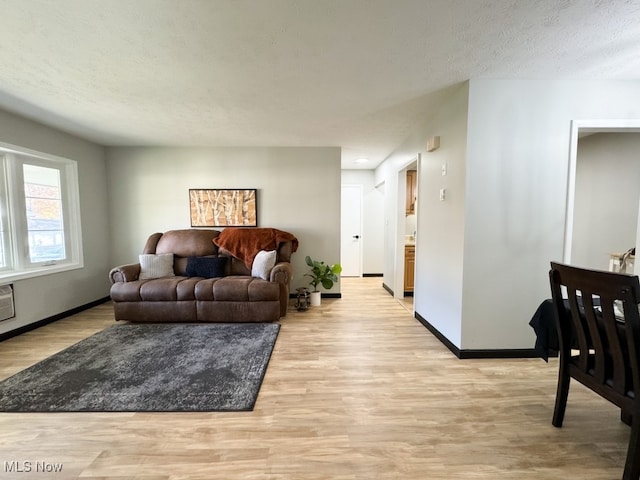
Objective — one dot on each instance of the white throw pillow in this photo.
(263, 263)
(156, 266)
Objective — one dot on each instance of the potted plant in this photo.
(321, 274)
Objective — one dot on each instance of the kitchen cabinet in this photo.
(409, 267)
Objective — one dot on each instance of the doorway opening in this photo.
(407, 232)
(603, 194)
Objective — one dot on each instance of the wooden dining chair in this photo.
(598, 328)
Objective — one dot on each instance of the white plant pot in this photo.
(315, 299)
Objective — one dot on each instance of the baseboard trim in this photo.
(477, 353)
(499, 353)
(438, 335)
(386, 287)
(322, 295)
(54, 318)
(372, 275)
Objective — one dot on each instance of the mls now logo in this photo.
(28, 467)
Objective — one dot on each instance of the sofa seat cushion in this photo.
(236, 288)
(155, 290)
(168, 289)
(126, 291)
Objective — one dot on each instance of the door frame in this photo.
(398, 287)
(590, 126)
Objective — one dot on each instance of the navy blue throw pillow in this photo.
(207, 267)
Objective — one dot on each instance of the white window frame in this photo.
(13, 215)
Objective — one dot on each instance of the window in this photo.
(45, 224)
(39, 214)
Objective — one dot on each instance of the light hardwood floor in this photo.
(356, 389)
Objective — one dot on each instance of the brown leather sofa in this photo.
(234, 297)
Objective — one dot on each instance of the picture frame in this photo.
(212, 207)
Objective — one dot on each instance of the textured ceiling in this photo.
(358, 74)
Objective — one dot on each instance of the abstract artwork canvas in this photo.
(223, 208)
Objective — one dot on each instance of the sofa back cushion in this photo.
(188, 243)
(234, 266)
(183, 244)
(237, 267)
(199, 243)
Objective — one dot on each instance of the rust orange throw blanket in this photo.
(245, 243)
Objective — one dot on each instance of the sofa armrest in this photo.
(281, 273)
(125, 273)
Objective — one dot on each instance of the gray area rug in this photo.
(149, 368)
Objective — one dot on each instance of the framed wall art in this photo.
(223, 208)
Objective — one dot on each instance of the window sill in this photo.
(8, 277)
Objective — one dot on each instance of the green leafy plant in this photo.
(322, 274)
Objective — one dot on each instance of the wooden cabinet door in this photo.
(409, 268)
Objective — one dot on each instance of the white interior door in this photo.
(351, 231)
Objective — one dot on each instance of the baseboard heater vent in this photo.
(7, 308)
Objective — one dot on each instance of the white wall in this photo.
(440, 225)
(483, 254)
(373, 222)
(298, 191)
(517, 161)
(42, 297)
(440, 242)
(607, 196)
(387, 175)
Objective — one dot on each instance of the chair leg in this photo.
(632, 464)
(561, 395)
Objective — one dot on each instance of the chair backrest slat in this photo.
(599, 362)
(617, 347)
(579, 333)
